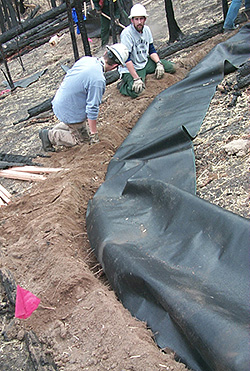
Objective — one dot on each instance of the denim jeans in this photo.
(233, 12)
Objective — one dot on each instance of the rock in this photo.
(221, 88)
(237, 147)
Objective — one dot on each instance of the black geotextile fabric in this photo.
(176, 261)
(23, 83)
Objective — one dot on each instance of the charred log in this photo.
(45, 30)
(40, 108)
(25, 160)
(9, 285)
(40, 360)
(37, 110)
(193, 39)
(31, 23)
(242, 82)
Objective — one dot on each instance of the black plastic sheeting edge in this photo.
(176, 261)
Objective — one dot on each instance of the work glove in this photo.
(159, 70)
(138, 85)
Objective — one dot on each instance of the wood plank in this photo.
(4, 197)
(11, 174)
(4, 190)
(36, 169)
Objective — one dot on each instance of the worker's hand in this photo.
(138, 85)
(159, 70)
(99, 11)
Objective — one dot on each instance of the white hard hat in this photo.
(138, 10)
(119, 53)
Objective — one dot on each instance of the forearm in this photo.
(155, 57)
(132, 70)
(92, 126)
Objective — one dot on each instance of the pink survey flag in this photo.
(26, 303)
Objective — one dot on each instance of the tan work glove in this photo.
(159, 70)
(138, 85)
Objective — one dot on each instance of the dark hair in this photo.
(111, 58)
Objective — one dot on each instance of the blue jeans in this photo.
(233, 12)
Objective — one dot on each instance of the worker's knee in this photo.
(169, 67)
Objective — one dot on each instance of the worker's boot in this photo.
(93, 138)
(47, 146)
(83, 134)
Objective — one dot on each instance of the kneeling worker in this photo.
(143, 58)
(79, 97)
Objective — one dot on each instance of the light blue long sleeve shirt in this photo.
(80, 94)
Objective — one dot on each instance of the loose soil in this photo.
(80, 324)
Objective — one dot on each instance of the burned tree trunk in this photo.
(72, 30)
(8, 75)
(2, 26)
(82, 28)
(224, 8)
(9, 13)
(112, 21)
(175, 32)
(21, 6)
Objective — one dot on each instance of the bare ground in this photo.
(80, 323)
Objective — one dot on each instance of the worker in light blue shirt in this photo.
(81, 91)
(76, 103)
